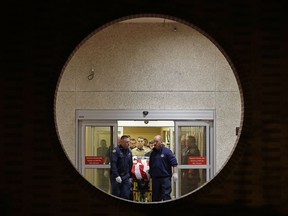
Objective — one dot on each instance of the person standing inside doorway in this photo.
(190, 177)
(133, 143)
(103, 180)
(163, 165)
(120, 172)
(140, 149)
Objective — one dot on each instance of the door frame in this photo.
(210, 156)
(80, 148)
(110, 117)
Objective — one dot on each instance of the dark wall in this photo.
(36, 178)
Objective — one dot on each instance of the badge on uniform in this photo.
(162, 155)
(114, 150)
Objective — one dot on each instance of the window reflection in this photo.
(191, 179)
(192, 156)
(99, 178)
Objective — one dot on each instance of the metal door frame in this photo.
(110, 118)
(80, 147)
(210, 154)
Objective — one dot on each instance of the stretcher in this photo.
(142, 187)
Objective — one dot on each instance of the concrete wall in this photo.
(149, 66)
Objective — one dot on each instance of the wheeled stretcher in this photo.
(142, 187)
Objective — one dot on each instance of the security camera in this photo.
(145, 113)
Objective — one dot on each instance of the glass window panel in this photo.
(99, 178)
(191, 179)
(98, 145)
(192, 145)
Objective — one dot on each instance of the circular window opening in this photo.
(156, 63)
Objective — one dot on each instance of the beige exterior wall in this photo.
(149, 66)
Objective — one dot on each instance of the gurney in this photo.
(142, 187)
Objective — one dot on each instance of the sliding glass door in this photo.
(98, 139)
(189, 135)
(193, 150)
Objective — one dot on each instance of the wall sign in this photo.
(197, 160)
(94, 160)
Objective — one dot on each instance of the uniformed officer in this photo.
(162, 163)
(120, 172)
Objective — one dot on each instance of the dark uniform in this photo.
(121, 165)
(161, 162)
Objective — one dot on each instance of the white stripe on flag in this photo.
(137, 171)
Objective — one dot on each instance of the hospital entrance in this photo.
(190, 140)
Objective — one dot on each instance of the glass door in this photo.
(188, 133)
(98, 140)
(193, 150)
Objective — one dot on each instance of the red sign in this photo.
(196, 160)
(94, 160)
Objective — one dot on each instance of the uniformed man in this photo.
(163, 165)
(120, 172)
